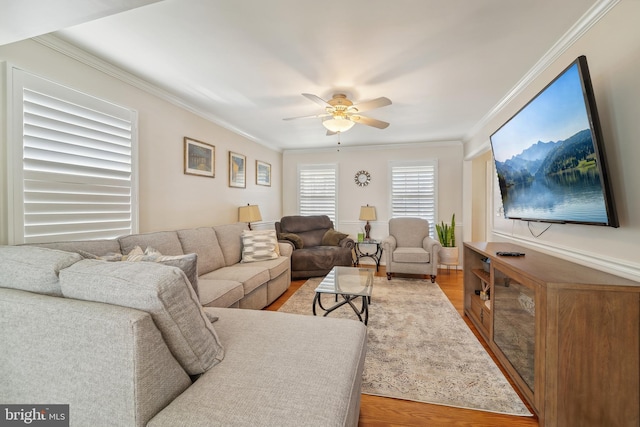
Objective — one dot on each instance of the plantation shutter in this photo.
(317, 190)
(413, 191)
(75, 159)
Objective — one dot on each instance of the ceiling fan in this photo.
(341, 113)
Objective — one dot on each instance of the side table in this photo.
(360, 253)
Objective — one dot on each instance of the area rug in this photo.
(420, 349)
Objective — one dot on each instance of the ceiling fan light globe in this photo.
(337, 124)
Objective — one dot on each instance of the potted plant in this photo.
(447, 237)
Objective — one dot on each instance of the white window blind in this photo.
(317, 192)
(413, 191)
(73, 164)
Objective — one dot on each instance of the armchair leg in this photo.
(433, 279)
(388, 276)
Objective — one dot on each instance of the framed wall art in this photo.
(263, 173)
(237, 170)
(199, 158)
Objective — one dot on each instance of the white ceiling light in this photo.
(337, 124)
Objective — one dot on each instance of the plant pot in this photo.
(448, 256)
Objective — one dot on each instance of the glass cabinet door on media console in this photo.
(514, 323)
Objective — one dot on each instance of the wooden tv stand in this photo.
(568, 335)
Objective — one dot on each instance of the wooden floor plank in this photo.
(378, 411)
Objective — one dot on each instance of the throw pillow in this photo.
(136, 254)
(161, 291)
(293, 238)
(34, 269)
(111, 256)
(187, 263)
(332, 237)
(259, 245)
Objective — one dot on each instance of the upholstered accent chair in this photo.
(317, 246)
(409, 248)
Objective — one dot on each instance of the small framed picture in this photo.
(199, 158)
(237, 170)
(263, 173)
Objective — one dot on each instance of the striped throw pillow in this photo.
(259, 245)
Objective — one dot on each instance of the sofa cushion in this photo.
(229, 237)
(166, 242)
(312, 238)
(405, 254)
(300, 223)
(332, 237)
(311, 228)
(161, 291)
(409, 232)
(309, 373)
(320, 258)
(100, 247)
(259, 245)
(219, 292)
(275, 266)
(204, 242)
(34, 269)
(250, 275)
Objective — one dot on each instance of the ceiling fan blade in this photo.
(369, 121)
(374, 103)
(314, 116)
(317, 100)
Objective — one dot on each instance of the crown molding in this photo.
(86, 58)
(588, 20)
(381, 147)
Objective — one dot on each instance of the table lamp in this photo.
(249, 214)
(367, 213)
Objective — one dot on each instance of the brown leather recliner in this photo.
(311, 258)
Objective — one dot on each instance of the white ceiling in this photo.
(21, 19)
(444, 63)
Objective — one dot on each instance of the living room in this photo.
(462, 164)
(169, 199)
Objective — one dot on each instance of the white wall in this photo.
(375, 160)
(612, 48)
(169, 199)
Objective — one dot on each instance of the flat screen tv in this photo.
(550, 156)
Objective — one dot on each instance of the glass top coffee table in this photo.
(347, 284)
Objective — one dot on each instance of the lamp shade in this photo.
(338, 124)
(249, 213)
(367, 213)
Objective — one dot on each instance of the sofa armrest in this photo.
(107, 362)
(347, 242)
(432, 246)
(389, 243)
(286, 248)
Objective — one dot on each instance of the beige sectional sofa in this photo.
(223, 280)
(129, 343)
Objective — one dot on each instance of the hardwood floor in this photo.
(382, 411)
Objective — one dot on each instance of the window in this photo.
(71, 162)
(317, 194)
(413, 191)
